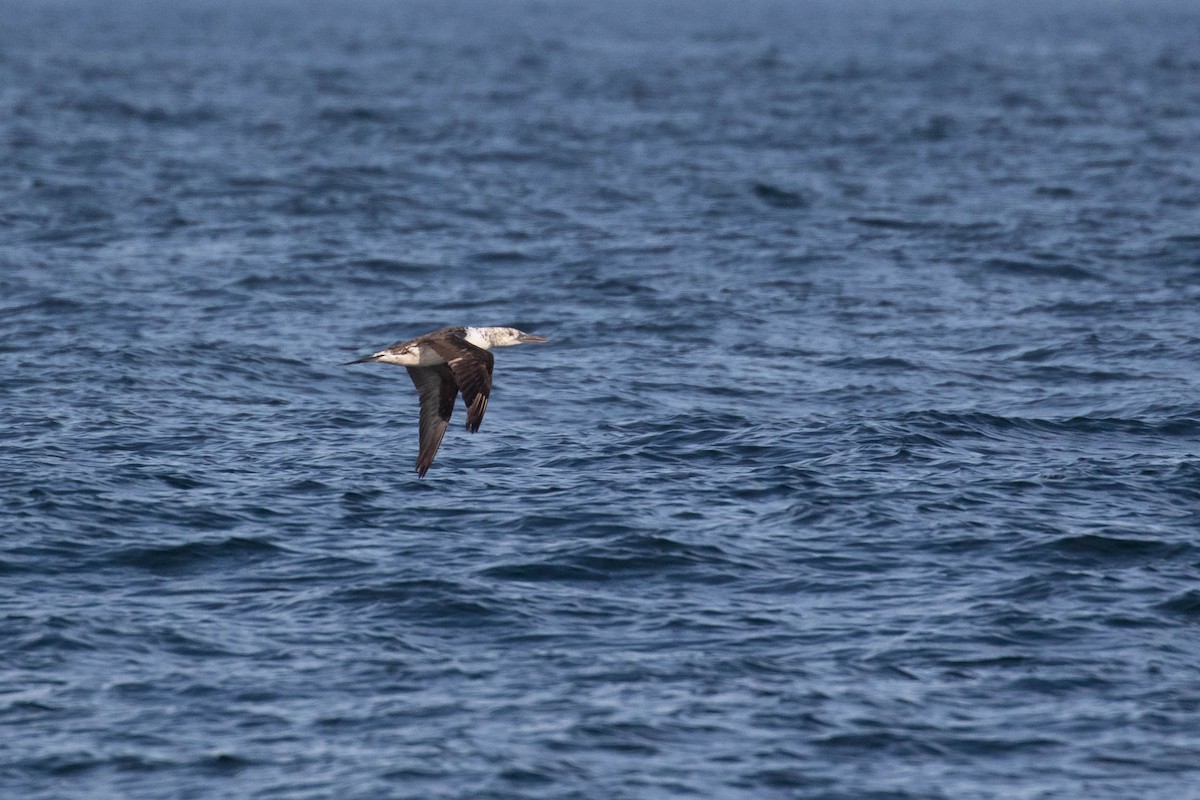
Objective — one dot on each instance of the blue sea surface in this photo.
(862, 465)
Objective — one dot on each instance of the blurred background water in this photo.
(862, 463)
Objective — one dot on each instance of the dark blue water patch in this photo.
(629, 558)
(114, 109)
(1099, 548)
(881, 364)
(1186, 605)
(436, 602)
(499, 256)
(391, 266)
(777, 197)
(891, 223)
(1040, 270)
(52, 642)
(1056, 192)
(195, 556)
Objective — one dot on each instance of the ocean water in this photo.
(862, 464)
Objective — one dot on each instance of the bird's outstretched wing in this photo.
(438, 390)
(472, 370)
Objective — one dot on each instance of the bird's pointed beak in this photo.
(529, 338)
(362, 360)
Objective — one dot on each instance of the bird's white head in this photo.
(500, 337)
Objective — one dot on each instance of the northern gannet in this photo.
(442, 364)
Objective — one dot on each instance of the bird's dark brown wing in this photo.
(438, 390)
(472, 369)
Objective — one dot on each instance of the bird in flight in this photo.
(442, 364)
